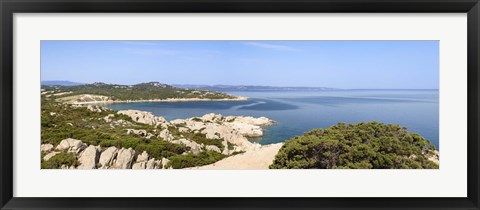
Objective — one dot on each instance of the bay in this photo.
(299, 111)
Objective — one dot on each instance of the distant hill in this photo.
(251, 88)
(113, 92)
(59, 83)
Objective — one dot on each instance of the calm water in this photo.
(297, 112)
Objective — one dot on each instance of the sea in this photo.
(299, 111)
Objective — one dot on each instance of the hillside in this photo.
(59, 83)
(92, 137)
(152, 91)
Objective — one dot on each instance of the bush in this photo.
(363, 145)
(201, 138)
(158, 149)
(192, 160)
(62, 158)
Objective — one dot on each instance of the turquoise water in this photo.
(299, 111)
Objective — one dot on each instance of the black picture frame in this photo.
(10, 7)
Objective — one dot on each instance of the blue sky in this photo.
(337, 64)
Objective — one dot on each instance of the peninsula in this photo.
(144, 92)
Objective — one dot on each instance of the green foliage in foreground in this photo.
(192, 160)
(62, 158)
(90, 127)
(363, 145)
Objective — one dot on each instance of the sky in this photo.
(335, 64)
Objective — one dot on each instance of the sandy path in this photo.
(257, 159)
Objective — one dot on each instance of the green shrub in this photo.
(158, 149)
(62, 158)
(192, 160)
(363, 145)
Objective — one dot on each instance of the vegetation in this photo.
(192, 160)
(143, 91)
(201, 138)
(62, 158)
(353, 146)
(107, 128)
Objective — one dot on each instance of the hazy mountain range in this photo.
(206, 87)
(249, 87)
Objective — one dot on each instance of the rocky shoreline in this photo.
(233, 131)
(86, 99)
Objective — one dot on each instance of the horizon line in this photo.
(296, 86)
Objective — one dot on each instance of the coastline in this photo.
(170, 100)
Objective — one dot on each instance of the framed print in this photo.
(239, 105)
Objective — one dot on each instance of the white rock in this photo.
(89, 158)
(124, 158)
(49, 155)
(151, 164)
(212, 117)
(213, 148)
(108, 118)
(166, 135)
(194, 146)
(178, 121)
(164, 162)
(141, 116)
(142, 157)
(141, 165)
(261, 121)
(71, 145)
(46, 147)
(107, 157)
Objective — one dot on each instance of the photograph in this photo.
(239, 104)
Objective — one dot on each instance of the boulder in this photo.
(49, 155)
(246, 130)
(212, 117)
(164, 162)
(195, 148)
(46, 147)
(107, 157)
(213, 148)
(108, 118)
(261, 121)
(124, 158)
(194, 125)
(71, 145)
(166, 135)
(141, 116)
(142, 157)
(141, 165)
(89, 158)
(151, 164)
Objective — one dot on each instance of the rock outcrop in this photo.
(46, 147)
(233, 130)
(124, 158)
(89, 157)
(71, 145)
(107, 157)
(142, 133)
(143, 117)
